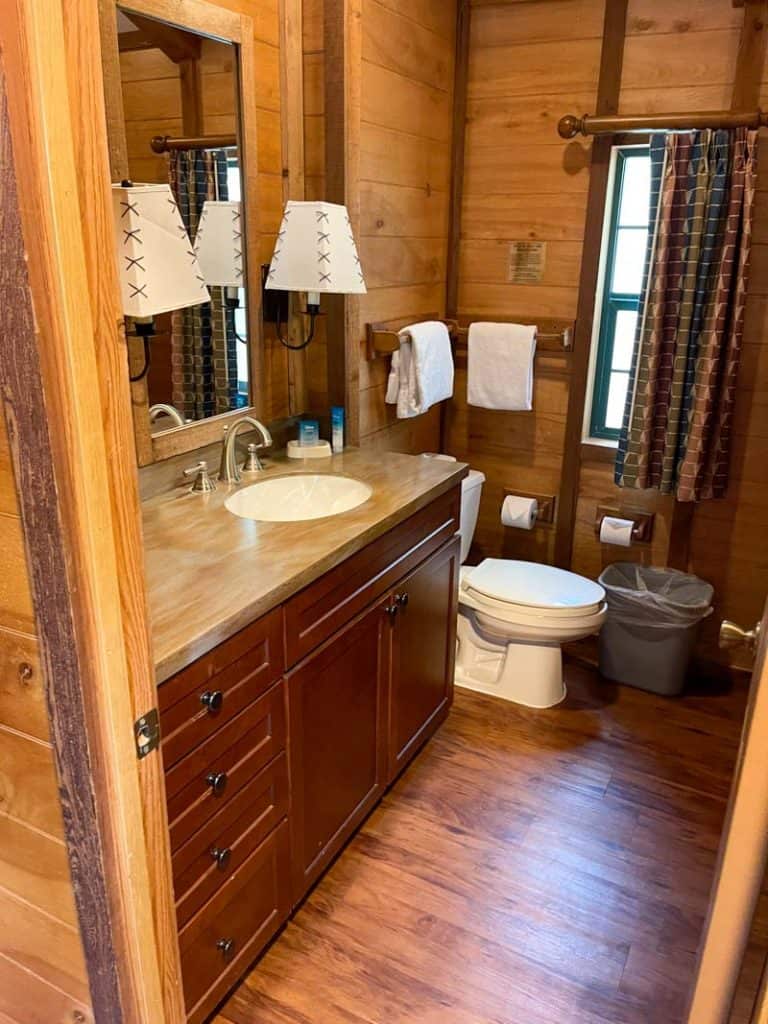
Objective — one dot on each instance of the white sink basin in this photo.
(301, 496)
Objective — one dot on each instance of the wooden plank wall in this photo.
(152, 101)
(405, 148)
(43, 978)
(529, 64)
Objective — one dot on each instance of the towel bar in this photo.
(551, 336)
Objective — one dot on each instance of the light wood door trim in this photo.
(741, 863)
(74, 458)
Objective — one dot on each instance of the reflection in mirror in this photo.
(180, 104)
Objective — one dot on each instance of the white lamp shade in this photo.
(315, 251)
(156, 263)
(219, 244)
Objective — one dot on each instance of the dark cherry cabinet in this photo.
(278, 743)
(360, 707)
(337, 721)
(423, 654)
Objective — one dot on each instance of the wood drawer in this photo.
(233, 832)
(238, 750)
(247, 911)
(230, 677)
(316, 612)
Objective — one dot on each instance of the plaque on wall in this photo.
(526, 262)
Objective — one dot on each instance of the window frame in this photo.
(609, 303)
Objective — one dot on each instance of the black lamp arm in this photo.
(313, 312)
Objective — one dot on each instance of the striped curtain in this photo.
(203, 341)
(677, 422)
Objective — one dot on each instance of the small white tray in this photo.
(321, 450)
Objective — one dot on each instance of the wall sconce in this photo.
(156, 264)
(315, 252)
(219, 249)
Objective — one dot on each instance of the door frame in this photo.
(67, 403)
(741, 860)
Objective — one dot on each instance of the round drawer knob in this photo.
(212, 701)
(401, 600)
(217, 781)
(226, 947)
(221, 857)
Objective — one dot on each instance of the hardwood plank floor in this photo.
(531, 867)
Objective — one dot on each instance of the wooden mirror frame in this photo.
(214, 22)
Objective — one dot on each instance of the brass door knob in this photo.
(732, 635)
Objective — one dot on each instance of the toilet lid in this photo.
(532, 585)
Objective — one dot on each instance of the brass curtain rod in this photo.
(570, 126)
(164, 143)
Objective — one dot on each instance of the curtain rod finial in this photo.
(568, 127)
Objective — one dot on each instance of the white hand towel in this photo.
(500, 366)
(421, 373)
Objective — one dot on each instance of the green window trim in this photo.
(612, 303)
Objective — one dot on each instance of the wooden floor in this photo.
(547, 867)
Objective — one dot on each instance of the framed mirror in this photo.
(178, 80)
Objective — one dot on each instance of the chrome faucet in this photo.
(162, 409)
(229, 471)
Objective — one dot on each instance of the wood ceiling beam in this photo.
(175, 43)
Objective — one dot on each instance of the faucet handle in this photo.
(253, 463)
(202, 482)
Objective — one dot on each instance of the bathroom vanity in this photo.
(300, 666)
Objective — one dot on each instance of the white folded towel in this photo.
(500, 366)
(421, 373)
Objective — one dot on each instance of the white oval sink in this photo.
(301, 496)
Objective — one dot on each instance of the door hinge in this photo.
(146, 731)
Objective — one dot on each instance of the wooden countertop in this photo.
(210, 573)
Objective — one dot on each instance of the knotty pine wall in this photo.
(152, 104)
(42, 969)
(405, 148)
(529, 64)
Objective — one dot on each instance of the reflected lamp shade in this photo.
(219, 244)
(315, 251)
(156, 263)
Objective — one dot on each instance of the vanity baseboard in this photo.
(279, 742)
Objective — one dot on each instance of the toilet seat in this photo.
(516, 591)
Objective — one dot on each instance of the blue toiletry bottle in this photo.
(337, 428)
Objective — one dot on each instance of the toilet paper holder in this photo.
(545, 511)
(642, 531)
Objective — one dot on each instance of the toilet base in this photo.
(521, 671)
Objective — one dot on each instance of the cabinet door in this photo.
(423, 653)
(337, 711)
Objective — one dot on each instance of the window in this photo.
(625, 243)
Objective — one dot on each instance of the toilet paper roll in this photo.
(616, 531)
(519, 512)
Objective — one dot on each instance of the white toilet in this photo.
(513, 617)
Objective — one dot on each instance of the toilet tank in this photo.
(471, 488)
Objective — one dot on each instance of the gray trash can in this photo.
(653, 617)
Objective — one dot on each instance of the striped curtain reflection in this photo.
(203, 341)
(677, 422)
